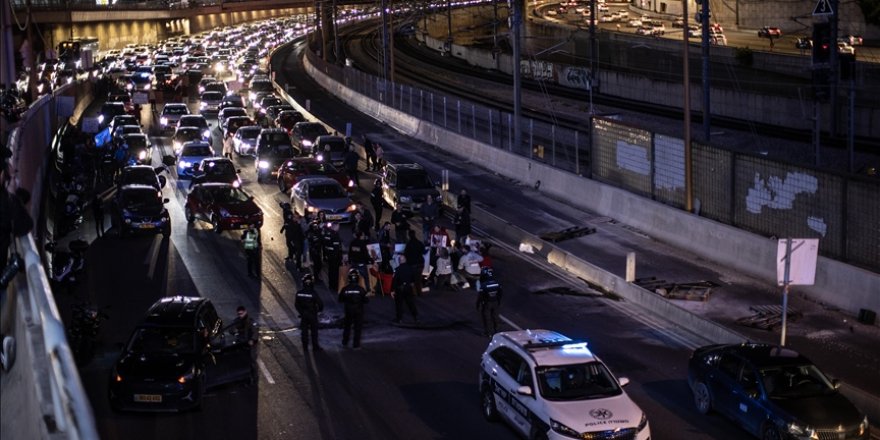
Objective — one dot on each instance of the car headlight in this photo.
(801, 431)
(863, 426)
(312, 209)
(100, 117)
(201, 89)
(142, 155)
(643, 422)
(263, 165)
(146, 87)
(185, 164)
(129, 86)
(406, 199)
(190, 375)
(319, 157)
(206, 134)
(564, 430)
(307, 143)
(352, 208)
(236, 183)
(163, 120)
(351, 183)
(203, 104)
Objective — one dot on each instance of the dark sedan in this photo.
(296, 169)
(773, 393)
(174, 355)
(223, 205)
(215, 170)
(141, 208)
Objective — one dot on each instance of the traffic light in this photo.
(822, 44)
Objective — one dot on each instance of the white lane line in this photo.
(509, 322)
(265, 372)
(192, 242)
(154, 255)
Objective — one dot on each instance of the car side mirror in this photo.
(162, 181)
(623, 381)
(165, 200)
(835, 383)
(524, 390)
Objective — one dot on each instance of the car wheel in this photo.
(702, 398)
(282, 185)
(215, 222)
(770, 432)
(537, 434)
(490, 411)
(190, 217)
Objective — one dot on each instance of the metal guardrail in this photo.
(50, 401)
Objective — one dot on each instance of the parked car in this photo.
(175, 354)
(322, 194)
(244, 141)
(191, 154)
(293, 170)
(272, 149)
(140, 208)
(769, 31)
(773, 393)
(407, 185)
(223, 205)
(546, 385)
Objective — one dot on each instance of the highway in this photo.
(406, 382)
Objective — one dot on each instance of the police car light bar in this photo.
(532, 346)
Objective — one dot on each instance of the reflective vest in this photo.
(250, 240)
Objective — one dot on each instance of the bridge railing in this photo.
(43, 397)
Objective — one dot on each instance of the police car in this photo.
(549, 386)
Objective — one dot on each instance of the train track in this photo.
(450, 76)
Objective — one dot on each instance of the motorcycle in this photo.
(66, 267)
(84, 330)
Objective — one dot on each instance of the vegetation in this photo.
(871, 9)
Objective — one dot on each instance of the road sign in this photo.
(823, 7)
(802, 265)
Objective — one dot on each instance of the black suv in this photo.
(407, 185)
(272, 149)
(174, 355)
(141, 208)
(773, 393)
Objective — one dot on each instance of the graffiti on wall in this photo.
(575, 77)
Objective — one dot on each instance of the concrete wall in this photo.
(843, 286)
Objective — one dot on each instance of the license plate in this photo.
(148, 398)
(334, 216)
(147, 226)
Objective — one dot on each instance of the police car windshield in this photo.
(162, 341)
(576, 382)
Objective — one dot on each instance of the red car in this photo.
(768, 31)
(288, 118)
(223, 205)
(296, 169)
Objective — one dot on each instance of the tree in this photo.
(871, 9)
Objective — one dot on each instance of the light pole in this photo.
(688, 171)
(515, 24)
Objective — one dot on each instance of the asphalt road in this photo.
(407, 382)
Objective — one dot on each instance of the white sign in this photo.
(804, 253)
(90, 125)
(823, 7)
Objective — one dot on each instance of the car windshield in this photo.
(136, 141)
(135, 199)
(576, 382)
(261, 86)
(795, 382)
(137, 175)
(193, 121)
(234, 111)
(175, 110)
(249, 133)
(326, 192)
(276, 138)
(334, 145)
(219, 168)
(212, 96)
(162, 341)
(413, 181)
(229, 195)
(188, 134)
(314, 130)
(196, 150)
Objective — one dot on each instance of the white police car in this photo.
(550, 386)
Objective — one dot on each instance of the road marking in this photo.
(509, 322)
(192, 242)
(154, 255)
(265, 372)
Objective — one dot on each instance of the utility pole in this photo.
(449, 25)
(337, 55)
(516, 23)
(834, 60)
(391, 41)
(707, 114)
(385, 63)
(688, 171)
(495, 28)
(594, 47)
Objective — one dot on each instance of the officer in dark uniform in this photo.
(333, 251)
(353, 297)
(316, 256)
(244, 331)
(489, 300)
(358, 256)
(402, 285)
(308, 304)
(293, 235)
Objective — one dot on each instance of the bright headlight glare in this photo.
(264, 165)
(311, 209)
(142, 155)
(100, 117)
(352, 208)
(207, 133)
(129, 86)
(351, 183)
(203, 104)
(163, 120)
(185, 164)
(319, 157)
(307, 143)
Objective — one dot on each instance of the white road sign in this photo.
(804, 253)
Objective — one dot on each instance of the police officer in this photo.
(308, 304)
(377, 201)
(251, 240)
(293, 235)
(488, 300)
(244, 330)
(358, 255)
(353, 296)
(333, 252)
(316, 256)
(402, 286)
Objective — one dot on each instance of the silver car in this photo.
(244, 142)
(210, 102)
(322, 194)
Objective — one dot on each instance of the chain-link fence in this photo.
(753, 193)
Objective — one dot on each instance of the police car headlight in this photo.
(142, 155)
(405, 199)
(263, 165)
(185, 164)
(207, 134)
(163, 120)
(564, 430)
(643, 422)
